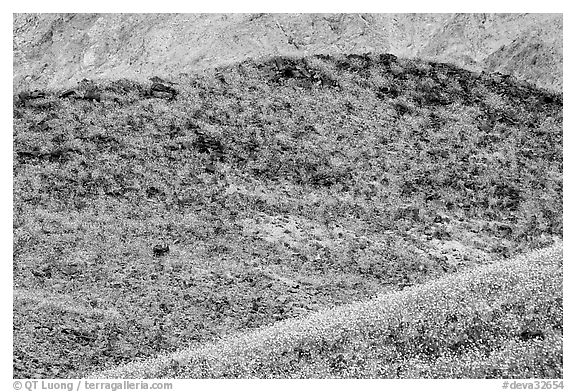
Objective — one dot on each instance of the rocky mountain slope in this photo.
(286, 170)
(57, 50)
(146, 222)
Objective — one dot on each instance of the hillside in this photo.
(497, 321)
(147, 221)
(58, 50)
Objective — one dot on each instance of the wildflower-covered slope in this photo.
(497, 321)
(279, 187)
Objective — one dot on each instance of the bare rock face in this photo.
(58, 50)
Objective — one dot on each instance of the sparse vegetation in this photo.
(274, 189)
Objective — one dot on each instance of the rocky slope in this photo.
(265, 191)
(57, 50)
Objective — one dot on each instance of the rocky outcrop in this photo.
(57, 50)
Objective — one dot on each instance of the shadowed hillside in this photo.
(152, 218)
(60, 49)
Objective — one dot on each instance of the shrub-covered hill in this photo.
(280, 188)
(498, 321)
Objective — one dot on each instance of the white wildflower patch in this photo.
(471, 324)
